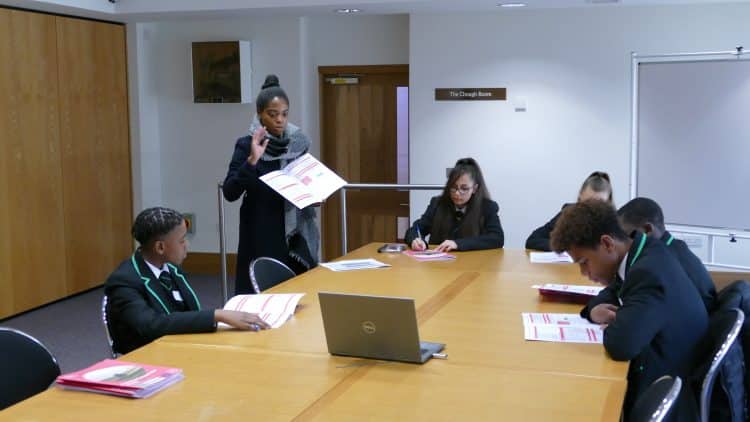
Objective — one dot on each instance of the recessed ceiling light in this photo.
(511, 4)
(345, 11)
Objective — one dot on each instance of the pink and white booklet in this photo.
(275, 309)
(560, 328)
(119, 378)
(429, 255)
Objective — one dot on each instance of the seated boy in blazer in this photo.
(656, 318)
(148, 294)
(645, 216)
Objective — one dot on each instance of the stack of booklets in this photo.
(430, 255)
(118, 378)
(560, 328)
(275, 309)
(568, 292)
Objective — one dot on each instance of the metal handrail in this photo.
(354, 186)
(223, 247)
(373, 186)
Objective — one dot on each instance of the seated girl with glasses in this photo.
(463, 218)
(596, 186)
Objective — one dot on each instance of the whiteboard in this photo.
(692, 129)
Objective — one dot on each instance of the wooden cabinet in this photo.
(65, 185)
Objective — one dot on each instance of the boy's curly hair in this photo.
(583, 224)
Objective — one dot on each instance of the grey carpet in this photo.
(72, 328)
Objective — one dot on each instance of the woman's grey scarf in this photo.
(301, 231)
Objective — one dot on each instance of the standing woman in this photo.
(596, 186)
(270, 225)
(462, 218)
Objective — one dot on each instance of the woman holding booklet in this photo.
(462, 218)
(270, 225)
(149, 296)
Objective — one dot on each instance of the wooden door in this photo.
(32, 252)
(358, 141)
(95, 149)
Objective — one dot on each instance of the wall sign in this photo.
(470, 94)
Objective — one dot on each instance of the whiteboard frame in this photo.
(636, 59)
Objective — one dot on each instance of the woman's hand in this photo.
(447, 246)
(418, 244)
(240, 320)
(257, 145)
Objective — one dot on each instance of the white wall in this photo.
(181, 149)
(573, 68)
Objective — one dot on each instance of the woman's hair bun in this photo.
(271, 81)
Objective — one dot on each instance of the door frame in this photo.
(349, 70)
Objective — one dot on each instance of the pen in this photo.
(419, 234)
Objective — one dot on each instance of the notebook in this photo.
(376, 327)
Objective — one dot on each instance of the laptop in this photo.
(375, 327)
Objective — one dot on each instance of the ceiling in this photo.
(150, 10)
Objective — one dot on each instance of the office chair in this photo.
(656, 402)
(724, 328)
(110, 342)
(27, 367)
(267, 272)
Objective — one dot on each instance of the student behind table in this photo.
(596, 186)
(148, 294)
(645, 215)
(462, 218)
(656, 318)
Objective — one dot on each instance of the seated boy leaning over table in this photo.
(656, 318)
(149, 296)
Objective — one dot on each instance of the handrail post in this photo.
(371, 186)
(222, 248)
(344, 245)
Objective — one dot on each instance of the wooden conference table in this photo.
(472, 304)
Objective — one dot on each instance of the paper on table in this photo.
(561, 328)
(304, 181)
(549, 257)
(275, 309)
(354, 264)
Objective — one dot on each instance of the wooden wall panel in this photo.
(95, 149)
(32, 264)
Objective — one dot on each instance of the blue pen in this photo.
(419, 234)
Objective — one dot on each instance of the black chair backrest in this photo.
(724, 328)
(267, 272)
(656, 402)
(27, 367)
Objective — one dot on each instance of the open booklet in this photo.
(561, 328)
(304, 181)
(119, 378)
(275, 309)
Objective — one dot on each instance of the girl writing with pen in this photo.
(462, 218)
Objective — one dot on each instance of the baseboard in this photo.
(208, 263)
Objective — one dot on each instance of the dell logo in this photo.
(369, 327)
